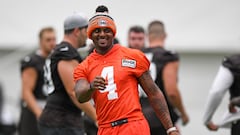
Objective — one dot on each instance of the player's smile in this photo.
(102, 41)
(102, 37)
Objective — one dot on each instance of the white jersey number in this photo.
(48, 82)
(152, 68)
(108, 74)
(153, 73)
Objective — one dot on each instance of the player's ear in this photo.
(76, 31)
(165, 35)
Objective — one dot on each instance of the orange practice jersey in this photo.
(120, 67)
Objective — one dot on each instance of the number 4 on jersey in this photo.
(108, 75)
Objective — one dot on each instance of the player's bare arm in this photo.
(170, 82)
(29, 78)
(65, 69)
(84, 89)
(157, 100)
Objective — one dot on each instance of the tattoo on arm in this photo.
(156, 99)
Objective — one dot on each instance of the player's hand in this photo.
(38, 113)
(232, 108)
(185, 119)
(98, 83)
(211, 126)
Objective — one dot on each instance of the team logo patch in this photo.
(102, 23)
(129, 63)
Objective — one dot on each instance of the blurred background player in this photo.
(136, 37)
(116, 95)
(33, 89)
(227, 79)
(62, 113)
(164, 71)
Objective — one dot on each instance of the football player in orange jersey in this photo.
(110, 75)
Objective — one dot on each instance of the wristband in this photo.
(172, 129)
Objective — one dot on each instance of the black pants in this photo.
(158, 131)
(156, 128)
(7, 129)
(44, 130)
(28, 123)
(235, 130)
(89, 126)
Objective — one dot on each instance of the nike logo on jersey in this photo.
(129, 63)
(64, 49)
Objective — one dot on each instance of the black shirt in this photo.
(37, 62)
(60, 110)
(233, 64)
(159, 57)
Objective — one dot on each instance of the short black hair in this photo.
(137, 29)
(101, 9)
(71, 30)
(68, 31)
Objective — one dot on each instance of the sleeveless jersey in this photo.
(233, 64)
(159, 58)
(58, 102)
(37, 62)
